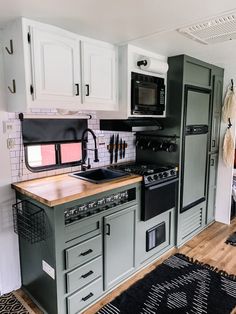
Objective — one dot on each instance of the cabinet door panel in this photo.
(212, 188)
(56, 67)
(99, 67)
(216, 112)
(194, 173)
(197, 107)
(118, 246)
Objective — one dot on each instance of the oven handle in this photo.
(156, 186)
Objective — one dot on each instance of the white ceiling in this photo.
(119, 21)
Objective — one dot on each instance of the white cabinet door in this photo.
(99, 76)
(55, 69)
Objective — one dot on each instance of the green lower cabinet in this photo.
(213, 161)
(82, 260)
(119, 235)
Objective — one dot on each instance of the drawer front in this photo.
(83, 252)
(88, 228)
(83, 275)
(84, 297)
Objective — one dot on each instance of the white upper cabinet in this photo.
(54, 68)
(99, 76)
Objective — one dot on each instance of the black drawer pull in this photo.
(213, 143)
(88, 296)
(212, 162)
(87, 90)
(86, 252)
(77, 89)
(108, 229)
(87, 274)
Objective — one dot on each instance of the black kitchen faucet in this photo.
(83, 166)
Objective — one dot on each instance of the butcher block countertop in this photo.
(59, 189)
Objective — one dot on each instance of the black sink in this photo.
(99, 175)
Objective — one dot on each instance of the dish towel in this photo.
(229, 107)
(228, 148)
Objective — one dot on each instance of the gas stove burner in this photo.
(152, 173)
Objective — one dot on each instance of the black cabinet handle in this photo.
(87, 89)
(108, 229)
(86, 252)
(77, 89)
(87, 274)
(213, 143)
(212, 162)
(88, 296)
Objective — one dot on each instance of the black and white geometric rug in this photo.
(231, 239)
(9, 304)
(180, 286)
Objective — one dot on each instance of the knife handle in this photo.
(120, 148)
(124, 146)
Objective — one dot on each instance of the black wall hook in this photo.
(13, 89)
(10, 51)
(232, 85)
(229, 123)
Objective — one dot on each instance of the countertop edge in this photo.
(98, 188)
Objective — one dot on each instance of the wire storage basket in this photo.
(29, 221)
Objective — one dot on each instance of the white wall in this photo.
(9, 257)
(225, 174)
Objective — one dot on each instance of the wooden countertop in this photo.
(59, 189)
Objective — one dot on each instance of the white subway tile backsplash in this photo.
(19, 171)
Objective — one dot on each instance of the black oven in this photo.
(147, 94)
(158, 198)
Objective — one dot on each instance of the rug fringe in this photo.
(207, 266)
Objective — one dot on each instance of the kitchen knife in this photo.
(120, 149)
(124, 143)
(117, 147)
(111, 148)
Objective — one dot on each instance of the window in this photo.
(52, 156)
(52, 143)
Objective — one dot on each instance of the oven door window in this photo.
(159, 198)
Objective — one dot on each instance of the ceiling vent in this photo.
(213, 31)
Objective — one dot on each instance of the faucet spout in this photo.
(95, 145)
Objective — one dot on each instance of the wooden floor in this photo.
(208, 247)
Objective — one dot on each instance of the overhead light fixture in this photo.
(213, 31)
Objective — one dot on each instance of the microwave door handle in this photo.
(156, 186)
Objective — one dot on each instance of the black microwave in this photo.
(147, 94)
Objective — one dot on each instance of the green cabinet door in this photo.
(212, 187)
(216, 112)
(194, 169)
(197, 106)
(118, 246)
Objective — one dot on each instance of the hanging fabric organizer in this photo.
(228, 116)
